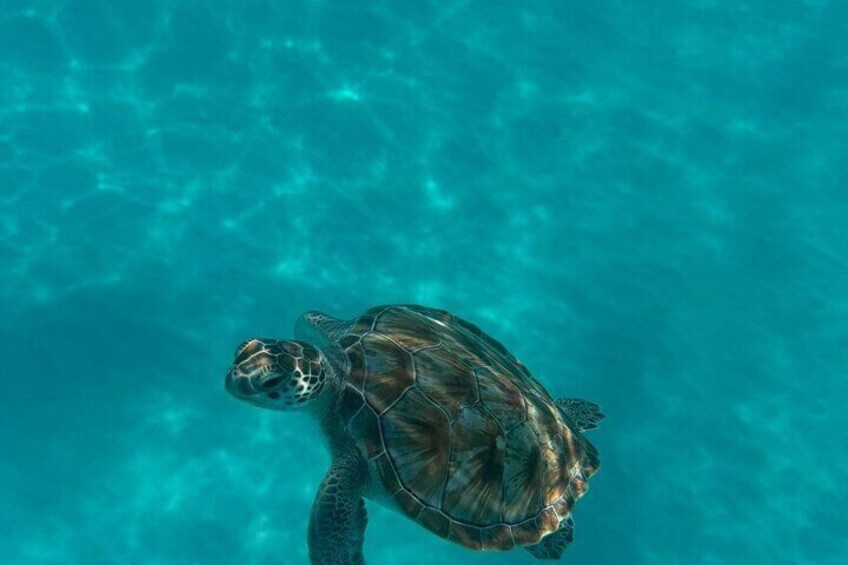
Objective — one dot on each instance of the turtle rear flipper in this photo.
(585, 415)
(554, 545)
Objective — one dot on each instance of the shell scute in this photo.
(348, 340)
(590, 461)
(364, 323)
(473, 492)
(445, 379)
(547, 521)
(417, 435)
(410, 329)
(389, 370)
(409, 503)
(563, 506)
(435, 521)
(357, 370)
(440, 316)
(501, 397)
(480, 349)
(366, 429)
(467, 535)
(526, 532)
(522, 474)
(497, 537)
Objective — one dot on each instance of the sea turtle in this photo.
(429, 416)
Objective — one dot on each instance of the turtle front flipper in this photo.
(554, 545)
(585, 415)
(337, 525)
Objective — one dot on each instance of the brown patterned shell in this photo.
(462, 437)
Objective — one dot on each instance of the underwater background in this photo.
(646, 202)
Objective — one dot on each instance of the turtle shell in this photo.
(463, 439)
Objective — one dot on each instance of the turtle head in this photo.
(275, 374)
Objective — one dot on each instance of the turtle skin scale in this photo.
(461, 436)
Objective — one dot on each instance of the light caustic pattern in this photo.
(645, 203)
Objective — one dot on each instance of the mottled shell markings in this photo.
(462, 437)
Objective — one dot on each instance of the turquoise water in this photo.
(647, 203)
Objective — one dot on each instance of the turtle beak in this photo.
(240, 377)
(237, 384)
